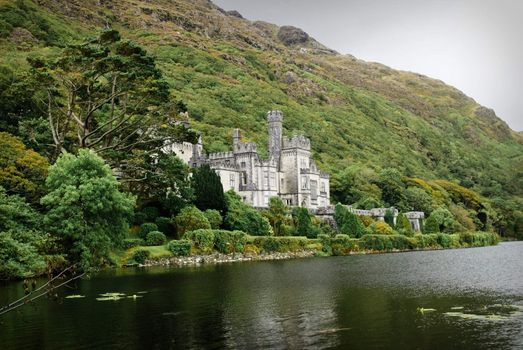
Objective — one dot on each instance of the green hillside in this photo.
(361, 117)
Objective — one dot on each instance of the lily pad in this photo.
(75, 296)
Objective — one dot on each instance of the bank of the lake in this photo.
(208, 247)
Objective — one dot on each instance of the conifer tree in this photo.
(208, 189)
(403, 224)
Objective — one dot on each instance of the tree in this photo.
(86, 209)
(162, 180)
(277, 215)
(417, 199)
(443, 218)
(392, 187)
(105, 94)
(431, 225)
(356, 184)
(22, 170)
(347, 222)
(189, 219)
(389, 217)
(302, 222)
(208, 189)
(403, 225)
(243, 217)
(381, 228)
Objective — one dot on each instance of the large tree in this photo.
(86, 209)
(106, 94)
(208, 189)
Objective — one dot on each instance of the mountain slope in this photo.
(229, 71)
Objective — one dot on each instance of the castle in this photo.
(289, 172)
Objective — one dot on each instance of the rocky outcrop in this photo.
(290, 36)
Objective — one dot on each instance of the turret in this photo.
(236, 137)
(275, 119)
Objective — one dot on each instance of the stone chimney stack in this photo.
(275, 119)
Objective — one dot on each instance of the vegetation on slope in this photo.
(387, 137)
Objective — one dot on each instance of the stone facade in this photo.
(289, 172)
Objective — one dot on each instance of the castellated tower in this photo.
(275, 119)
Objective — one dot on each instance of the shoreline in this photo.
(219, 258)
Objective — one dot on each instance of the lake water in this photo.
(367, 301)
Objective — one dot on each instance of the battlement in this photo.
(221, 155)
(242, 147)
(298, 141)
(274, 116)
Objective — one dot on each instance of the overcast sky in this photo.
(474, 45)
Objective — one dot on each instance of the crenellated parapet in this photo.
(298, 141)
(275, 116)
(221, 155)
(245, 147)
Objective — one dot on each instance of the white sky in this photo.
(474, 45)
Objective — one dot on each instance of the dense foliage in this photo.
(208, 189)
(85, 207)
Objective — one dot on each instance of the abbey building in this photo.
(289, 172)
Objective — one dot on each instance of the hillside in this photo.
(229, 71)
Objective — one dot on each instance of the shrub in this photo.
(146, 228)
(243, 217)
(140, 256)
(426, 240)
(164, 225)
(129, 243)
(151, 213)
(155, 238)
(403, 225)
(381, 228)
(402, 242)
(342, 244)
(190, 219)
(348, 223)
(180, 247)
(281, 244)
(302, 222)
(325, 241)
(478, 239)
(139, 218)
(203, 239)
(229, 241)
(214, 217)
(376, 242)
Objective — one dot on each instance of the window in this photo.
(303, 163)
(227, 162)
(322, 188)
(273, 180)
(304, 182)
(266, 178)
(266, 200)
(243, 164)
(232, 181)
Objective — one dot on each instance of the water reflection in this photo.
(346, 302)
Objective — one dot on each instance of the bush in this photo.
(229, 241)
(243, 217)
(146, 228)
(281, 244)
(214, 217)
(478, 239)
(139, 218)
(155, 238)
(190, 219)
(325, 241)
(140, 256)
(427, 240)
(180, 247)
(376, 242)
(164, 225)
(129, 243)
(203, 239)
(151, 213)
(343, 244)
(381, 228)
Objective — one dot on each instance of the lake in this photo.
(462, 298)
